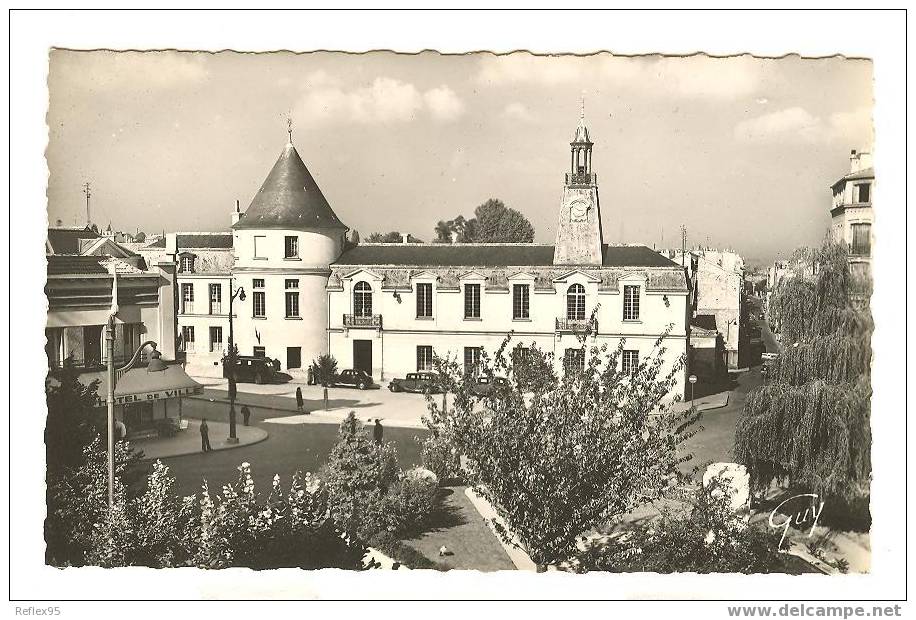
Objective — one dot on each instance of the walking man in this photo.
(300, 404)
(205, 436)
(246, 414)
(377, 431)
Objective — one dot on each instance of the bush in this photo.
(367, 492)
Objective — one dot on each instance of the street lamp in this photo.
(232, 361)
(693, 380)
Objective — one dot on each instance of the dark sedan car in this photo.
(250, 369)
(417, 382)
(359, 379)
(495, 386)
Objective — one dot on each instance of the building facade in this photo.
(851, 212)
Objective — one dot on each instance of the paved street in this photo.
(290, 447)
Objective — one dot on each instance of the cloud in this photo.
(385, 101)
(517, 112)
(443, 103)
(798, 124)
(694, 76)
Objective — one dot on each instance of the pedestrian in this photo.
(120, 430)
(377, 431)
(311, 376)
(300, 404)
(205, 436)
(246, 414)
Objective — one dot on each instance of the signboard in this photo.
(153, 396)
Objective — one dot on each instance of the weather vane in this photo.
(289, 127)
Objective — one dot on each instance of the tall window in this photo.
(861, 240)
(187, 338)
(630, 303)
(258, 304)
(216, 339)
(864, 192)
(472, 360)
(472, 301)
(630, 361)
(424, 357)
(292, 299)
(424, 300)
(260, 246)
(575, 302)
(216, 298)
(362, 299)
(187, 298)
(187, 264)
(520, 301)
(574, 360)
(291, 247)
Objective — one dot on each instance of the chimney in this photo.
(853, 161)
(171, 245)
(405, 238)
(237, 214)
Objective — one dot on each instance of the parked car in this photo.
(485, 386)
(250, 369)
(417, 382)
(355, 378)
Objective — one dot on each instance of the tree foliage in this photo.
(493, 222)
(703, 536)
(325, 369)
(571, 454)
(369, 495)
(391, 237)
(810, 425)
(157, 528)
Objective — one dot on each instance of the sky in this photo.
(740, 150)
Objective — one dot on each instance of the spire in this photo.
(581, 129)
(289, 127)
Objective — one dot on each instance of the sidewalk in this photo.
(188, 440)
(713, 401)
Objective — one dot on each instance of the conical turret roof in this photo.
(289, 198)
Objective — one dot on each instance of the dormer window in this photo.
(187, 263)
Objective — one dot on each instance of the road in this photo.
(290, 447)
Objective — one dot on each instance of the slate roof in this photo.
(186, 241)
(704, 321)
(489, 255)
(76, 265)
(866, 173)
(289, 198)
(67, 240)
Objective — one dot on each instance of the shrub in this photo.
(440, 457)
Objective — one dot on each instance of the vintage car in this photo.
(359, 379)
(495, 386)
(250, 369)
(417, 382)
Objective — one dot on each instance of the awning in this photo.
(140, 385)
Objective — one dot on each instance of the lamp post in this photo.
(693, 380)
(232, 360)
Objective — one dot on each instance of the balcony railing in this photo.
(581, 178)
(371, 321)
(577, 326)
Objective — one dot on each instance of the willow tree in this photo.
(809, 426)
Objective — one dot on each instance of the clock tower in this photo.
(579, 240)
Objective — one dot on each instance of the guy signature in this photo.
(798, 518)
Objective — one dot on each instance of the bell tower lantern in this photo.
(579, 240)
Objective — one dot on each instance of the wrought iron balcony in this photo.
(371, 321)
(581, 179)
(577, 326)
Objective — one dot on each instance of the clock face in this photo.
(578, 212)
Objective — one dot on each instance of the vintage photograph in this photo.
(459, 312)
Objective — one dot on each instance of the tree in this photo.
(498, 224)
(325, 372)
(571, 454)
(703, 536)
(140, 237)
(354, 237)
(493, 222)
(392, 237)
(810, 426)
